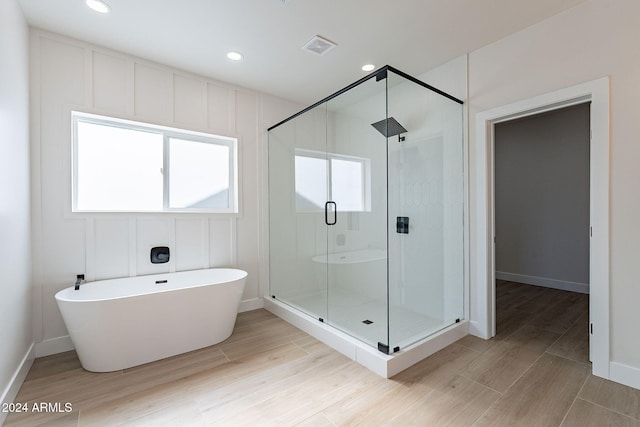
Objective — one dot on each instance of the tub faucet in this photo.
(79, 278)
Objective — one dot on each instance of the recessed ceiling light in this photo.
(368, 67)
(98, 6)
(234, 56)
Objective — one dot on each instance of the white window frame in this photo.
(167, 133)
(366, 175)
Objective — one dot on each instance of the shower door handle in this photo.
(326, 213)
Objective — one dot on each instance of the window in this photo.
(125, 166)
(325, 176)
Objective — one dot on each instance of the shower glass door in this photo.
(357, 237)
(426, 212)
(366, 211)
(298, 192)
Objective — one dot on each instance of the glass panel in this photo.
(388, 155)
(118, 169)
(426, 265)
(310, 181)
(356, 260)
(298, 190)
(198, 174)
(347, 184)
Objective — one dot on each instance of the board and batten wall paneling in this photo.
(221, 108)
(110, 82)
(191, 244)
(222, 241)
(61, 242)
(151, 92)
(111, 248)
(247, 233)
(189, 101)
(72, 75)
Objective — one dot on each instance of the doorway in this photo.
(541, 206)
(482, 297)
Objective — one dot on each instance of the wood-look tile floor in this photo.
(535, 372)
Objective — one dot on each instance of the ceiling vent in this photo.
(319, 45)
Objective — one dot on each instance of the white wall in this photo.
(69, 74)
(592, 40)
(15, 217)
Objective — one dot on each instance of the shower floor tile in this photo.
(351, 313)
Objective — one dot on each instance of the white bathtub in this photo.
(119, 323)
(356, 272)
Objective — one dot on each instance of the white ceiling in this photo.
(194, 35)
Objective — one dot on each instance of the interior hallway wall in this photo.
(72, 75)
(15, 216)
(542, 199)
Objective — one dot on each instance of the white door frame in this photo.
(483, 281)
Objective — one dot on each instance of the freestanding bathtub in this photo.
(119, 323)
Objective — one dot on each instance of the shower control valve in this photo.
(402, 225)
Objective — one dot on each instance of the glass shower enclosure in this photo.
(366, 210)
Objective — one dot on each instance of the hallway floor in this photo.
(535, 372)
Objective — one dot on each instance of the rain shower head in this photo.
(389, 127)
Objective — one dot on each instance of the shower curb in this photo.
(384, 365)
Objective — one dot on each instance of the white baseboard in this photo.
(624, 374)
(476, 331)
(11, 391)
(543, 281)
(54, 346)
(251, 304)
